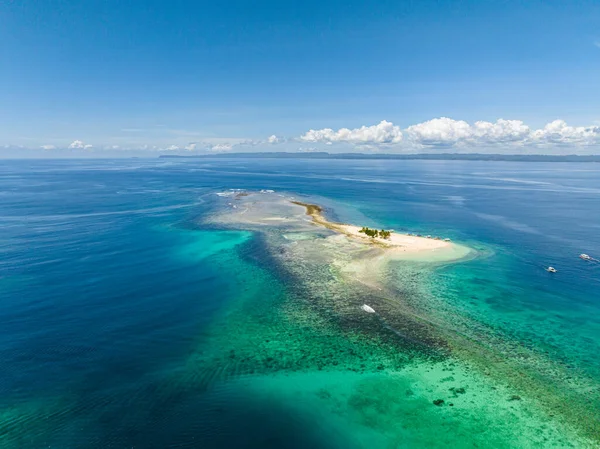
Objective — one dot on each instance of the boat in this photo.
(551, 270)
(367, 308)
(446, 240)
(585, 257)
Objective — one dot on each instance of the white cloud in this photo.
(273, 139)
(501, 131)
(79, 145)
(446, 131)
(558, 132)
(76, 144)
(222, 147)
(48, 147)
(449, 133)
(439, 131)
(198, 146)
(383, 133)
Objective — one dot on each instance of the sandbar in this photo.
(402, 245)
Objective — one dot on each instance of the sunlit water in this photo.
(129, 318)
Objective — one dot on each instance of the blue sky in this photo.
(222, 76)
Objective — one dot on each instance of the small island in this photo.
(396, 245)
(256, 210)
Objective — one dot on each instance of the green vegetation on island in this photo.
(375, 233)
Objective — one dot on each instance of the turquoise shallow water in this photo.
(127, 320)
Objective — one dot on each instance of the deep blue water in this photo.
(107, 281)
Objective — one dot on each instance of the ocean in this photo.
(129, 318)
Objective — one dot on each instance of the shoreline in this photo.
(401, 245)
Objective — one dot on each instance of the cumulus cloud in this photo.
(79, 145)
(439, 131)
(383, 133)
(449, 133)
(198, 146)
(48, 147)
(273, 139)
(446, 131)
(500, 131)
(222, 147)
(558, 132)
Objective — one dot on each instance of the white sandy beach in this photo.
(407, 242)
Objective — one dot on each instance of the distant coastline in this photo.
(384, 156)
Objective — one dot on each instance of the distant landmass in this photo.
(442, 156)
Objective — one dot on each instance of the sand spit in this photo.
(399, 245)
(265, 210)
(299, 231)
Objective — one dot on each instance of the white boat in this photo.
(367, 308)
(585, 257)
(446, 240)
(551, 270)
